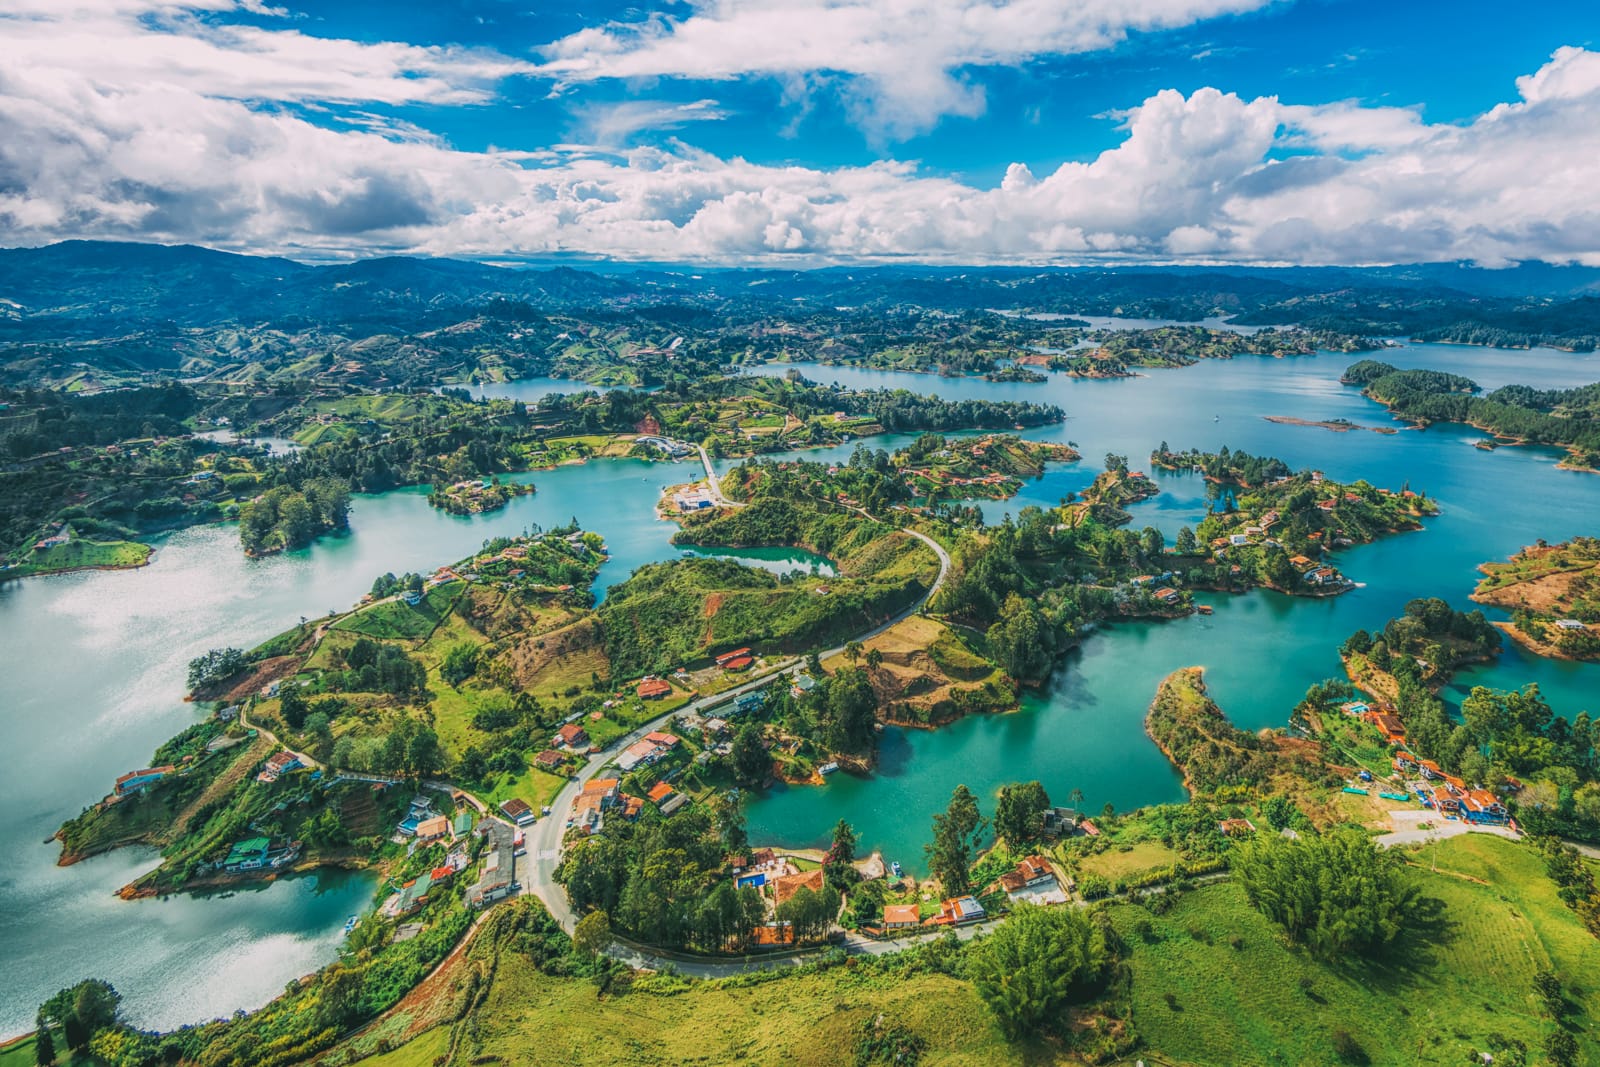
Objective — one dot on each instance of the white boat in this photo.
(827, 768)
(895, 869)
(351, 923)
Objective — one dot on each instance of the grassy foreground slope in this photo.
(1239, 993)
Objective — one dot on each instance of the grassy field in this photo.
(20, 1054)
(78, 554)
(1115, 863)
(533, 1019)
(1444, 997)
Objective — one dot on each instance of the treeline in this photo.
(43, 420)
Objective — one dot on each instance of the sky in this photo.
(809, 132)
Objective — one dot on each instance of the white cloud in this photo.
(906, 55)
(615, 124)
(189, 140)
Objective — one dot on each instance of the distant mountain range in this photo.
(80, 290)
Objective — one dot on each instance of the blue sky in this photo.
(810, 131)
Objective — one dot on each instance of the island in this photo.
(1553, 594)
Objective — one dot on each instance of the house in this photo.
(666, 799)
(604, 790)
(1405, 763)
(787, 885)
(773, 935)
(1166, 595)
(136, 781)
(738, 663)
(959, 911)
(279, 765)
(1301, 563)
(461, 825)
(434, 829)
(573, 737)
(1034, 881)
(900, 916)
(247, 855)
(1059, 821)
(549, 760)
(1355, 707)
(1236, 827)
(803, 683)
(749, 702)
(654, 688)
(1570, 624)
(640, 752)
(518, 811)
(1238, 540)
(1144, 579)
(738, 653)
(1390, 726)
(1483, 807)
(412, 896)
(659, 792)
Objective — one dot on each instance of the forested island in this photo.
(1565, 418)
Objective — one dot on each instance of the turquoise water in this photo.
(94, 663)
(1260, 650)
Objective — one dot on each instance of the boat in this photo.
(351, 923)
(895, 869)
(827, 768)
(1216, 418)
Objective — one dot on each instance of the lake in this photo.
(94, 662)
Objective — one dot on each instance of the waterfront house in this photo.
(900, 916)
(1166, 595)
(137, 781)
(1033, 880)
(247, 855)
(1060, 821)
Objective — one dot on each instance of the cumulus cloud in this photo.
(176, 148)
(905, 56)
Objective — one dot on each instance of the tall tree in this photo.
(955, 841)
(1019, 813)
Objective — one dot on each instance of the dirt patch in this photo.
(251, 682)
(1544, 595)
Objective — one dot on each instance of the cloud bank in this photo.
(135, 119)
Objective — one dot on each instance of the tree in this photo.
(874, 658)
(1279, 810)
(1187, 545)
(460, 663)
(1336, 893)
(292, 706)
(1019, 813)
(592, 935)
(1023, 639)
(751, 764)
(1561, 1049)
(1035, 964)
(96, 1003)
(44, 1047)
(955, 838)
(850, 711)
(837, 864)
(215, 666)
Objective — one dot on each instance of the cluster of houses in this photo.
(1153, 582)
(1450, 794)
